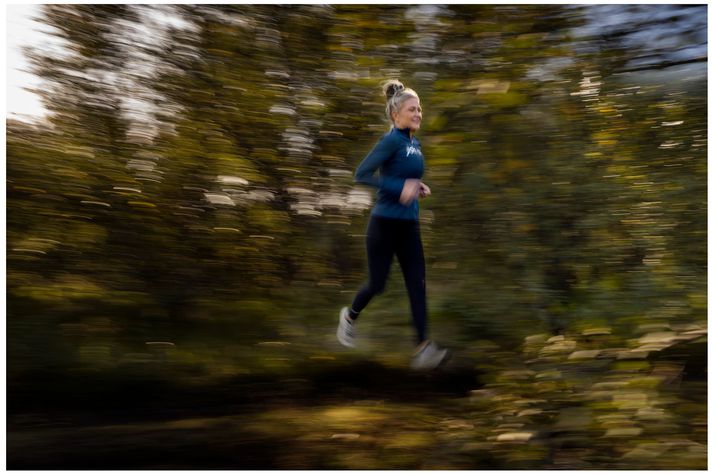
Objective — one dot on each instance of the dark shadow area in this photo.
(128, 420)
(169, 451)
(369, 379)
(128, 396)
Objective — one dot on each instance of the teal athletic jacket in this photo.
(397, 157)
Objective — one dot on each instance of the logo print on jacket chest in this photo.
(412, 149)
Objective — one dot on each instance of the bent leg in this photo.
(380, 253)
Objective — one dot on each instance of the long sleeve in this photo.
(365, 172)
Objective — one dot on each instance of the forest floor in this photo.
(357, 414)
(328, 408)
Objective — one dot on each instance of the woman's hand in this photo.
(425, 191)
(410, 191)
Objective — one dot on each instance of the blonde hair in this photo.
(396, 94)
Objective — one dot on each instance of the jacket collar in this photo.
(406, 132)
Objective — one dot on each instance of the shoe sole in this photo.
(344, 343)
(444, 360)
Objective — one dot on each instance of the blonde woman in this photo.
(393, 227)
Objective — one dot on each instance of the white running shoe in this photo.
(430, 357)
(346, 332)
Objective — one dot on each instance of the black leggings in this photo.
(384, 238)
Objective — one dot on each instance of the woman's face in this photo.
(409, 115)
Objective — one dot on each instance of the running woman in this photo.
(393, 226)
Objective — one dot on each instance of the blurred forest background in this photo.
(183, 228)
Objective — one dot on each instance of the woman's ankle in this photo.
(422, 345)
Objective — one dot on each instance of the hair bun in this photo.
(392, 87)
